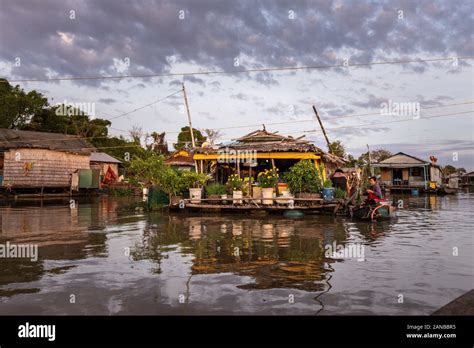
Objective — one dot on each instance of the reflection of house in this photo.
(260, 150)
(402, 171)
(104, 163)
(40, 160)
(180, 159)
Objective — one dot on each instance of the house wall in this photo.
(436, 175)
(41, 167)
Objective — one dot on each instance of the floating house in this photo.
(181, 159)
(41, 160)
(107, 165)
(405, 172)
(260, 150)
(467, 179)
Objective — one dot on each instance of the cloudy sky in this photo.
(55, 39)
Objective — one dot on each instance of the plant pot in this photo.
(257, 194)
(267, 195)
(328, 193)
(224, 197)
(237, 196)
(285, 194)
(214, 199)
(195, 194)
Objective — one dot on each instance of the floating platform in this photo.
(248, 204)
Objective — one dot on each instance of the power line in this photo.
(222, 72)
(311, 119)
(311, 131)
(144, 106)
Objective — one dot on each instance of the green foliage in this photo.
(339, 193)
(268, 178)
(327, 183)
(336, 148)
(184, 138)
(120, 192)
(303, 177)
(193, 179)
(235, 183)
(17, 107)
(216, 189)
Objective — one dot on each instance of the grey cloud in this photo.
(106, 33)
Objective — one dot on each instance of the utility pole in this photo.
(322, 128)
(370, 161)
(190, 124)
(189, 117)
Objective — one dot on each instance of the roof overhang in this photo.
(274, 155)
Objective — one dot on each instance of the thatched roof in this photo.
(263, 141)
(177, 158)
(17, 139)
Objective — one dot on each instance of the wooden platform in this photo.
(463, 305)
(307, 204)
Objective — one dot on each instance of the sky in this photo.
(390, 106)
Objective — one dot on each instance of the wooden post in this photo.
(370, 161)
(322, 128)
(190, 123)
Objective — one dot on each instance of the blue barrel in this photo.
(414, 192)
(328, 193)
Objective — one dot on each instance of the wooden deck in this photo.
(248, 204)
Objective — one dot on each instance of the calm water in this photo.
(233, 264)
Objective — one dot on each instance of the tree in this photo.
(336, 148)
(449, 169)
(184, 138)
(375, 156)
(17, 107)
(212, 135)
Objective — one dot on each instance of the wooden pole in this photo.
(322, 128)
(190, 124)
(370, 161)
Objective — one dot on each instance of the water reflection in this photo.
(241, 256)
(273, 251)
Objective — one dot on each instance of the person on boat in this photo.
(374, 193)
(339, 180)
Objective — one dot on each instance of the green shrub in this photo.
(216, 189)
(303, 177)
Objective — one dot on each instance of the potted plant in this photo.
(267, 181)
(303, 180)
(216, 191)
(195, 183)
(236, 184)
(328, 190)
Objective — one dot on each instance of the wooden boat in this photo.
(382, 210)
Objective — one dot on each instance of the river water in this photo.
(98, 258)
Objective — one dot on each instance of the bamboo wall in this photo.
(41, 167)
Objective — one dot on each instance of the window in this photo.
(416, 171)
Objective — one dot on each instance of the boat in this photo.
(381, 210)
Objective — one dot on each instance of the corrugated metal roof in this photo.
(103, 157)
(17, 139)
